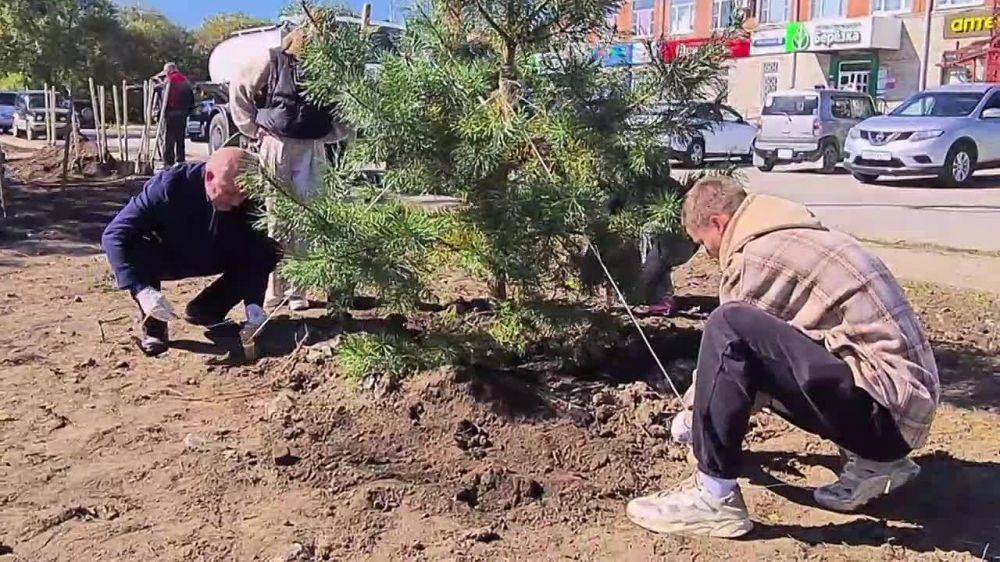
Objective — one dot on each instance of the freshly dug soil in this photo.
(109, 455)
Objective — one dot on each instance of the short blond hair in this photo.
(711, 195)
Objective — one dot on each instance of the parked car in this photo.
(199, 121)
(7, 102)
(950, 132)
(808, 126)
(29, 114)
(721, 132)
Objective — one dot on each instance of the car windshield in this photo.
(939, 104)
(37, 101)
(8, 99)
(791, 105)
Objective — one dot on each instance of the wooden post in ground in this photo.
(53, 94)
(147, 100)
(45, 106)
(102, 99)
(118, 120)
(93, 106)
(71, 130)
(159, 147)
(126, 156)
(3, 180)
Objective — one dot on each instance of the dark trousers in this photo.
(745, 350)
(243, 276)
(175, 129)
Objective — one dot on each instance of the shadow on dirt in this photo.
(967, 376)
(951, 506)
(60, 221)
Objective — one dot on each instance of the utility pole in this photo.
(925, 59)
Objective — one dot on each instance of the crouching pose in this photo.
(191, 220)
(817, 324)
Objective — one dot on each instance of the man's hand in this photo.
(154, 304)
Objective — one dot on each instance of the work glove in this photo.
(154, 304)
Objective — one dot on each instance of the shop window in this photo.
(642, 18)
(829, 9)
(773, 11)
(611, 20)
(681, 16)
(940, 4)
(722, 13)
(887, 6)
(768, 80)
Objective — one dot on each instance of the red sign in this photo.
(670, 50)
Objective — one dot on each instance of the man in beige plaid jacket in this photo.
(820, 326)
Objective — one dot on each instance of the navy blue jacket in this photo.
(172, 223)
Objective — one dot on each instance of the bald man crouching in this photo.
(192, 220)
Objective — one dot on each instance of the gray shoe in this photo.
(692, 510)
(861, 481)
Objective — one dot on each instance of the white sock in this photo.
(255, 314)
(718, 488)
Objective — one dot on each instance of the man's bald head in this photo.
(222, 173)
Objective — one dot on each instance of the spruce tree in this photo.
(502, 107)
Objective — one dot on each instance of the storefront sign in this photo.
(979, 23)
(670, 50)
(836, 35)
(614, 55)
(768, 41)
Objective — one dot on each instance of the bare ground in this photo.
(109, 455)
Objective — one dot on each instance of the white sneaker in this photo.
(692, 510)
(861, 481)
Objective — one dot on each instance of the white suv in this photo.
(949, 132)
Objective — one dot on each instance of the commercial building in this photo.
(873, 46)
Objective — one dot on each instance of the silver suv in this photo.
(808, 125)
(950, 132)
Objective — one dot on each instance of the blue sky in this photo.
(190, 13)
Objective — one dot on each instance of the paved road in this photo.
(909, 210)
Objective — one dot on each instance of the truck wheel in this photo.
(959, 165)
(865, 178)
(218, 132)
(830, 157)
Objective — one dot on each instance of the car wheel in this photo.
(865, 178)
(218, 132)
(959, 165)
(767, 166)
(695, 155)
(830, 157)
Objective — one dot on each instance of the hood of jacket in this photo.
(760, 215)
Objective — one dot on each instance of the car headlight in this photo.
(924, 135)
(854, 133)
(39, 117)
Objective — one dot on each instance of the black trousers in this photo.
(243, 276)
(745, 350)
(175, 130)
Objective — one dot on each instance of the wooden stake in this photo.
(118, 120)
(126, 156)
(93, 105)
(147, 100)
(55, 117)
(102, 100)
(159, 148)
(69, 134)
(45, 105)
(3, 202)
(366, 17)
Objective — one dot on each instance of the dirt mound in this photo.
(45, 165)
